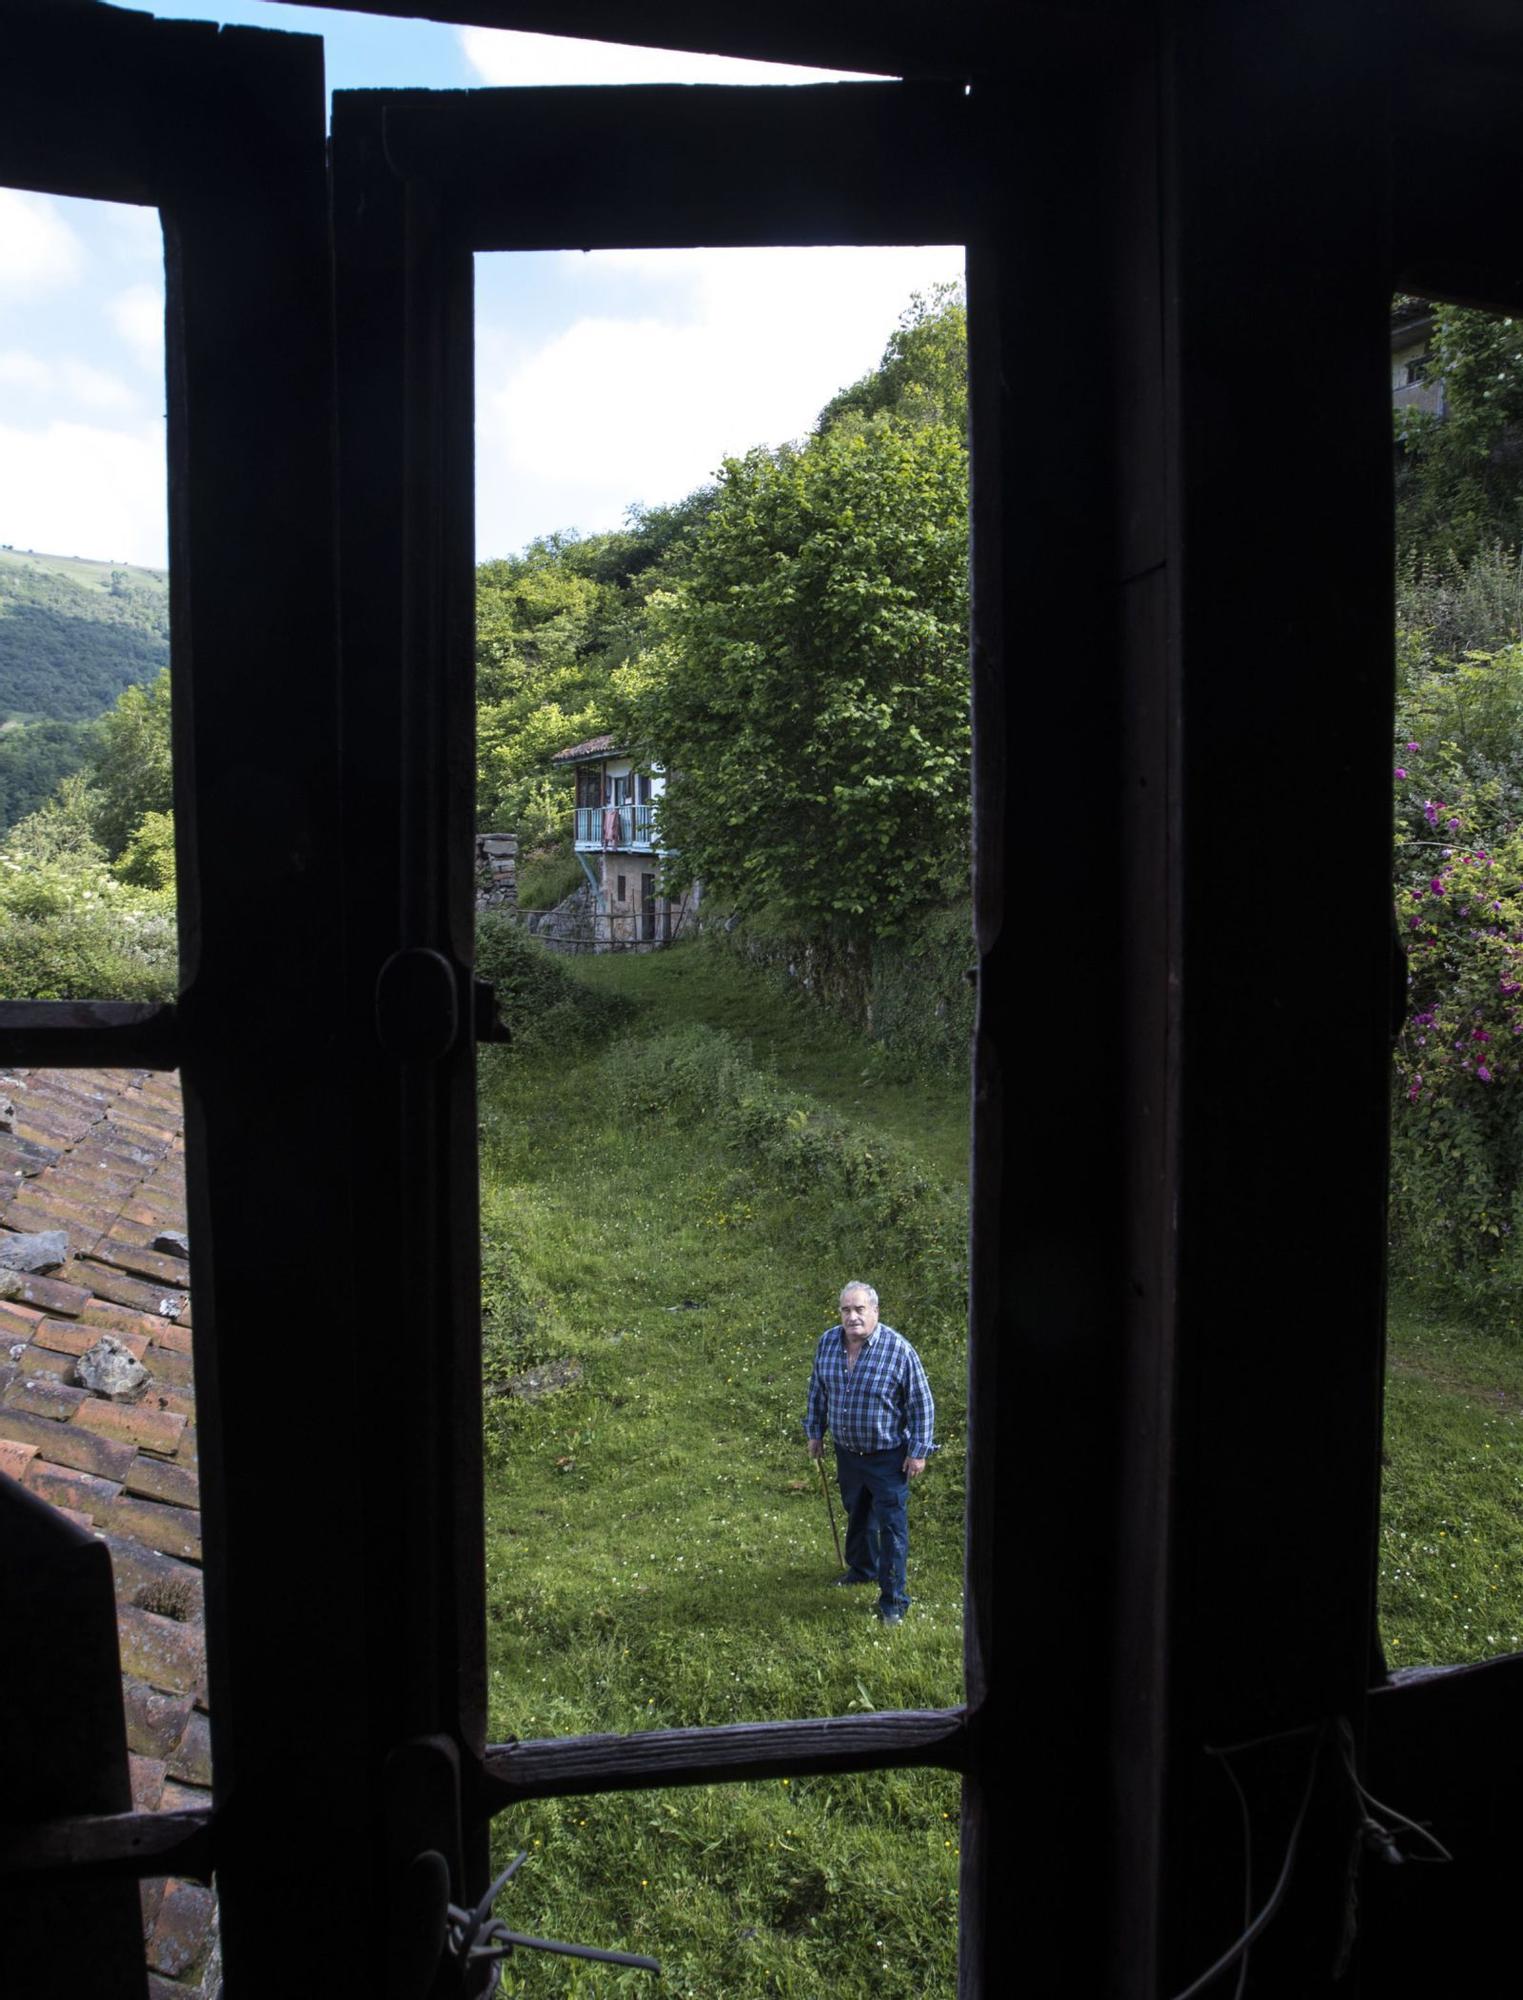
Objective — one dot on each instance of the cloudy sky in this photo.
(602, 380)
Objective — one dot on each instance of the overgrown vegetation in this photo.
(538, 1000)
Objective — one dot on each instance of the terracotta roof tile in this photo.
(15, 1458)
(151, 1898)
(68, 1445)
(192, 1759)
(75, 1492)
(155, 1721)
(43, 1396)
(154, 1264)
(37, 1361)
(30, 1288)
(176, 1531)
(143, 1424)
(121, 1290)
(147, 1775)
(125, 1320)
(98, 1154)
(17, 1321)
(74, 1337)
(160, 1651)
(173, 1335)
(162, 1479)
(184, 1927)
(153, 1581)
(595, 746)
(170, 1367)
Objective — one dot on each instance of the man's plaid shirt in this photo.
(882, 1403)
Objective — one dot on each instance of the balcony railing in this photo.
(626, 826)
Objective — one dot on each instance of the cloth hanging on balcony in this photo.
(610, 826)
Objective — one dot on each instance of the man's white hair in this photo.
(857, 1285)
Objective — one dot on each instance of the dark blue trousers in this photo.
(875, 1494)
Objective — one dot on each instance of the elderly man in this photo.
(869, 1391)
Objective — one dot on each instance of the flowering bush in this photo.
(1457, 1137)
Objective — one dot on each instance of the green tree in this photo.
(552, 626)
(809, 689)
(923, 376)
(131, 769)
(1459, 475)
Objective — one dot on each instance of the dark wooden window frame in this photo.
(1145, 211)
(423, 181)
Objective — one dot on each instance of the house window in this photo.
(621, 895)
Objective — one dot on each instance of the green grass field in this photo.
(1451, 1567)
(658, 1551)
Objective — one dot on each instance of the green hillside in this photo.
(74, 633)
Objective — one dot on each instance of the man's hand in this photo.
(914, 1467)
(816, 1447)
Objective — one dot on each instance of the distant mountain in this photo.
(74, 633)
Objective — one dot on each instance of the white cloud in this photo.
(505, 56)
(25, 371)
(743, 348)
(38, 249)
(77, 489)
(138, 316)
(69, 381)
(94, 388)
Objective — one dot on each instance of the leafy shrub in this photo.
(548, 877)
(69, 930)
(1457, 1141)
(910, 993)
(538, 999)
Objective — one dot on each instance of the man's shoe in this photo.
(890, 1617)
(847, 1578)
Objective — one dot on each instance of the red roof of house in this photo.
(595, 746)
(99, 1154)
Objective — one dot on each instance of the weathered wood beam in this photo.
(826, 163)
(127, 1843)
(79, 1034)
(566, 1766)
(877, 37)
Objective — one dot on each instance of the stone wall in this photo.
(497, 871)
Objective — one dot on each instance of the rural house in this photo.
(617, 841)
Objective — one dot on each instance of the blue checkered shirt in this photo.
(881, 1403)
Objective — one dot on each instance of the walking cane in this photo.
(830, 1510)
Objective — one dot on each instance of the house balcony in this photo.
(628, 828)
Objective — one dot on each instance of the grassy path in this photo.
(658, 1551)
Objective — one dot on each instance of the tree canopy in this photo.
(808, 691)
(1459, 474)
(806, 687)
